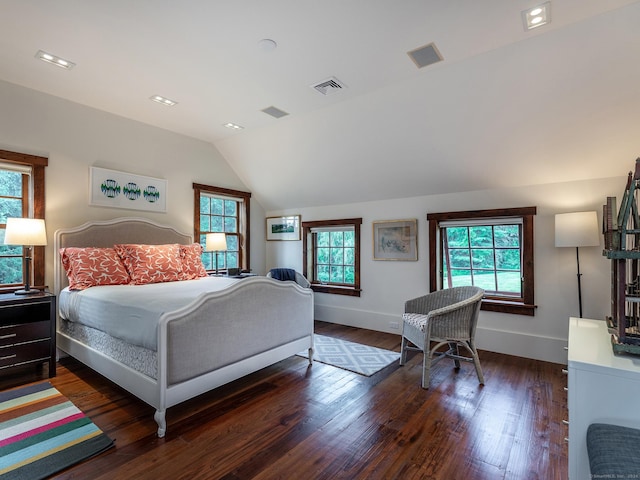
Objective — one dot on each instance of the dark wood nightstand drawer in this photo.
(28, 312)
(25, 332)
(24, 353)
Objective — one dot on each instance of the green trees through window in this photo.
(487, 256)
(335, 257)
(10, 206)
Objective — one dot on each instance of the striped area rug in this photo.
(355, 357)
(42, 432)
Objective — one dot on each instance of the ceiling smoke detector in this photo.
(329, 86)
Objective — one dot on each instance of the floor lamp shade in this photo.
(28, 232)
(579, 229)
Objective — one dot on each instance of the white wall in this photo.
(75, 137)
(387, 284)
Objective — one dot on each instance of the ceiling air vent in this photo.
(329, 86)
(426, 55)
(275, 112)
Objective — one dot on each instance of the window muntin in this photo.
(227, 211)
(492, 249)
(331, 250)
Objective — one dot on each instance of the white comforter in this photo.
(131, 312)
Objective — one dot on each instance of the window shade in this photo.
(477, 222)
(16, 167)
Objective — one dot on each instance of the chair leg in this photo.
(476, 362)
(454, 346)
(426, 367)
(403, 351)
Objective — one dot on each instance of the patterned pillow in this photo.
(191, 257)
(89, 267)
(151, 263)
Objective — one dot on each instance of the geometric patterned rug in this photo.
(355, 357)
(42, 433)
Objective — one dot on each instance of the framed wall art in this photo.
(284, 228)
(110, 188)
(395, 240)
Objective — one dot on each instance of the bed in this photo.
(210, 339)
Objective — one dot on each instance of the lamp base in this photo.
(31, 291)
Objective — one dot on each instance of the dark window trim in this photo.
(527, 306)
(38, 165)
(245, 218)
(308, 257)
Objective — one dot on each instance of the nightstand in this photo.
(27, 331)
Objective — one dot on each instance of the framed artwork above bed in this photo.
(111, 188)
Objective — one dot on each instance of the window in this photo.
(331, 255)
(21, 195)
(223, 210)
(491, 249)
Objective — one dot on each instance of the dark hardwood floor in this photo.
(291, 421)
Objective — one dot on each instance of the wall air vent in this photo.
(329, 86)
(274, 112)
(426, 55)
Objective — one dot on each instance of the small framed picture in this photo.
(283, 228)
(395, 240)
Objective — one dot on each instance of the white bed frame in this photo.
(258, 302)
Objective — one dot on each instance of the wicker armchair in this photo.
(443, 317)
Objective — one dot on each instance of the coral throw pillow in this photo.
(151, 263)
(191, 256)
(91, 266)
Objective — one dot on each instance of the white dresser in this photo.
(602, 388)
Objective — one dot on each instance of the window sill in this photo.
(349, 291)
(502, 306)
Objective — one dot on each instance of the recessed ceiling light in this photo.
(233, 126)
(54, 60)
(537, 16)
(163, 100)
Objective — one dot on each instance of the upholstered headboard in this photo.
(107, 233)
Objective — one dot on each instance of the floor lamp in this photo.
(579, 229)
(215, 242)
(26, 232)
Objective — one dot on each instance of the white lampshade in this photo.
(215, 242)
(25, 231)
(579, 229)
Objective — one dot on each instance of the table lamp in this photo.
(27, 232)
(215, 242)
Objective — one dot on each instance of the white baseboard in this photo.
(509, 343)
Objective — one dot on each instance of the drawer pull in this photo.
(566, 422)
(566, 389)
(566, 348)
(8, 357)
(11, 335)
(565, 371)
(566, 439)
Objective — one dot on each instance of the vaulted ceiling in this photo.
(505, 107)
